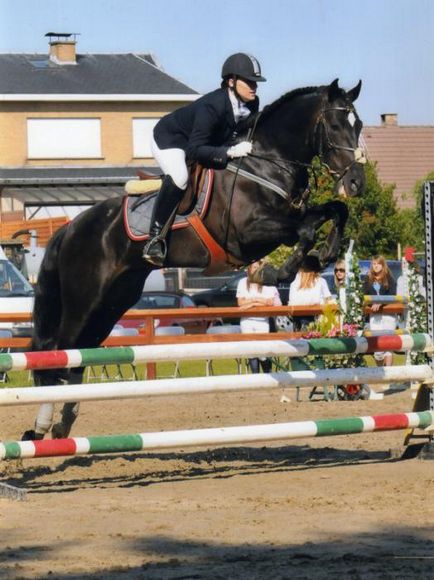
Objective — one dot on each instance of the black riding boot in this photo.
(166, 201)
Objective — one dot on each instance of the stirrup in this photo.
(158, 258)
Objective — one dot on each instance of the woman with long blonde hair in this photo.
(249, 295)
(308, 288)
(339, 277)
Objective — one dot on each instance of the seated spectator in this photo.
(250, 294)
(308, 288)
(380, 282)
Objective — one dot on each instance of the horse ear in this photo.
(333, 90)
(354, 93)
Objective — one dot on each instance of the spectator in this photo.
(250, 295)
(339, 278)
(380, 282)
(308, 288)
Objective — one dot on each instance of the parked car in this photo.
(156, 300)
(16, 295)
(222, 296)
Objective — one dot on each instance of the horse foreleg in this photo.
(307, 231)
(315, 217)
(329, 251)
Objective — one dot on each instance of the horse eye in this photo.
(335, 127)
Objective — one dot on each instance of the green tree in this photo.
(373, 222)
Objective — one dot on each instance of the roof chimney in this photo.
(389, 119)
(62, 47)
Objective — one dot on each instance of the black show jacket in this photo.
(203, 129)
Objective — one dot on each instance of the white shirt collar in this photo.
(240, 109)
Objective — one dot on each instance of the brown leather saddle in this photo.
(137, 211)
(141, 193)
(198, 177)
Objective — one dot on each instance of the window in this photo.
(187, 302)
(12, 282)
(63, 138)
(152, 301)
(142, 131)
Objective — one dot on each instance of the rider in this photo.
(200, 131)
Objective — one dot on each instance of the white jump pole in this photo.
(222, 383)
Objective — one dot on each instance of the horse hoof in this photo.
(59, 431)
(31, 435)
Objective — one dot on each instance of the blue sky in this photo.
(389, 44)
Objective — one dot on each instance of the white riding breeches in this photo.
(172, 162)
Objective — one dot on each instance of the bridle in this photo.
(323, 148)
(321, 124)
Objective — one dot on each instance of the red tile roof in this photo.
(404, 155)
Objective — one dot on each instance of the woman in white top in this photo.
(308, 289)
(250, 295)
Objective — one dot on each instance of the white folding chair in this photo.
(223, 329)
(171, 331)
(5, 333)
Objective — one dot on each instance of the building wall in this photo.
(116, 130)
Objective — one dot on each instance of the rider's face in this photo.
(245, 89)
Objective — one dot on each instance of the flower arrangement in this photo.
(347, 322)
(354, 294)
(328, 325)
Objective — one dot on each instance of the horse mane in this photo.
(289, 96)
(285, 98)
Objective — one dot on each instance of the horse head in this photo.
(308, 122)
(338, 128)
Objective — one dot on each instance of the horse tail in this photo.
(47, 310)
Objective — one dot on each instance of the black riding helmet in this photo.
(242, 65)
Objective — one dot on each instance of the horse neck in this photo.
(289, 130)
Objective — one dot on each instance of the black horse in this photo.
(92, 272)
